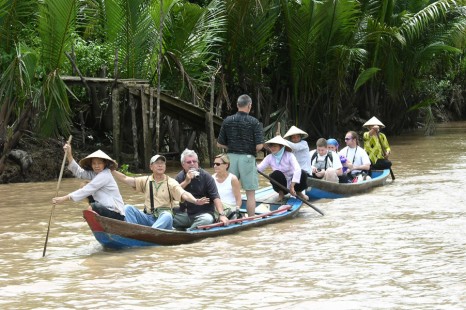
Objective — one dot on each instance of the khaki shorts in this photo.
(244, 167)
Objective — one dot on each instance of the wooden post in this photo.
(210, 123)
(145, 126)
(116, 123)
(132, 104)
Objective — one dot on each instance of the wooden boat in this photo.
(318, 189)
(116, 234)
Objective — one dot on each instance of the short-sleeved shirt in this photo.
(356, 155)
(164, 191)
(201, 186)
(241, 133)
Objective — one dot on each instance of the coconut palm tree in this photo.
(31, 90)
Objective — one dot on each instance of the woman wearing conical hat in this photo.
(376, 145)
(299, 147)
(286, 169)
(96, 167)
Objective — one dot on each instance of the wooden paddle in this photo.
(384, 151)
(284, 189)
(53, 206)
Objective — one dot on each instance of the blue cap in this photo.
(332, 142)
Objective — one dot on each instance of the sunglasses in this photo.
(218, 164)
(191, 162)
(347, 139)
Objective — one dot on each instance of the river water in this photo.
(401, 246)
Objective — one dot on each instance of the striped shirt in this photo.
(241, 133)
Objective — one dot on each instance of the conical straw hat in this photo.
(372, 122)
(295, 131)
(279, 140)
(86, 163)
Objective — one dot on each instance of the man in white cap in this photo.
(96, 167)
(376, 145)
(160, 191)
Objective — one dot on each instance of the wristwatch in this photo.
(222, 213)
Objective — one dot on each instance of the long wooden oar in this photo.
(53, 206)
(284, 189)
(384, 151)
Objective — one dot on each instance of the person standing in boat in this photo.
(96, 167)
(199, 183)
(242, 136)
(325, 164)
(357, 160)
(160, 191)
(228, 186)
(299, 147)
(286, 169)
(376, 145)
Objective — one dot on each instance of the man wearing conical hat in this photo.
(376, 145)
(96, 167)
(286, 169)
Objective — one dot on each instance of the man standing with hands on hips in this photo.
(242, 136)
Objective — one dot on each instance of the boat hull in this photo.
(116, 234)
(319, 189)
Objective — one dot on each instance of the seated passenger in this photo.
(325, 164)
(160, 191)
(332, 145)
(228, 186)
(199, 183)
(286, 169)
(357, 159)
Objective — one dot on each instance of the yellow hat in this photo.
(373, 122)
(295, 131)
(86, 163)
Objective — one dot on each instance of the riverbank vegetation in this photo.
(325, 66)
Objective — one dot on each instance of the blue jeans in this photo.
(136, 216)
(183, 220)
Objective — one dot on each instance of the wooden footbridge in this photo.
(142, 98)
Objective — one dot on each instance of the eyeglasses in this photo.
(218, 164)
(191, 162)
(347, 139)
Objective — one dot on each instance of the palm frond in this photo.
(56, 23)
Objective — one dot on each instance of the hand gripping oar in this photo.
(53, 206)
(283, 188)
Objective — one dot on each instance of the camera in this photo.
(195, 173)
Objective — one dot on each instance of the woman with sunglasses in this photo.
(228, 186)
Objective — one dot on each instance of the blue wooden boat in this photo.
(116, 234)
(318, 189)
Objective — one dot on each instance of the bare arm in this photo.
(236, 186)
(259, 147)
(222, 146)
(190, 198)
